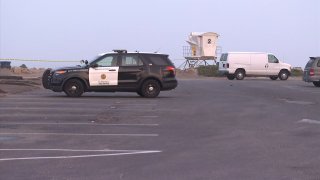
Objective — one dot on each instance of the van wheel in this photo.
(73, 88)
(273, 77)
(283, 75)
(150, 88)
(316, 83)
(240, 74)
(231, 76)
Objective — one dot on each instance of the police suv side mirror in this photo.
(84, 62)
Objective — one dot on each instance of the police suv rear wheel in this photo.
(139, 93)
(150, 89)
(316, 83)
(73, 88)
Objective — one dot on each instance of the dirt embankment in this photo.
(18, 80)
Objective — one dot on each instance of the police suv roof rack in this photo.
(120, 50)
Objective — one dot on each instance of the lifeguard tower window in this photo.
(224, 57)
(159, 60)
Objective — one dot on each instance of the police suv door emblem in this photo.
(103, 76)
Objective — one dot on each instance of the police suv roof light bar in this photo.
(120, 50)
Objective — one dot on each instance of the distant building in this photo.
(5, 64)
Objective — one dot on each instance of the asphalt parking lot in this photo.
(205, 129)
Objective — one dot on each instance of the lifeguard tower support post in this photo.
(202, 48)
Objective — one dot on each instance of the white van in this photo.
(240, 64)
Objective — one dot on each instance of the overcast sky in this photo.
(81, 29)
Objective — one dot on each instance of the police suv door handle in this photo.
(266, 66)
(112, 70)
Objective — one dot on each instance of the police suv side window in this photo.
(272, 59)
(318, 64)
(159, 60)
(106, 61)
(131, 60)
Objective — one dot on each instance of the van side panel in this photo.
(254, 64)
(237, 61)
(258, 64)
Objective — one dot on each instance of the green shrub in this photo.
(296, 72)
(209, 71)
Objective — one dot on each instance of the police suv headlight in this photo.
(60, 72)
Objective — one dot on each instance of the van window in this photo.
(224, 57)
(272, 59)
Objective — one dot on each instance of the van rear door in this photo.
(223, 63)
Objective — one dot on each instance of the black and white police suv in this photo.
(144, 73)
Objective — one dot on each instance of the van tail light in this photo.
(311, 72)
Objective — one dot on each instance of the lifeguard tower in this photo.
(202, 48)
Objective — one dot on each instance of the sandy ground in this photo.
(13, 83)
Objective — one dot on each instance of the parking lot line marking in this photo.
(91, 124)
(127, 104)
(310, 121)
(135, 116)
(52, 108)
(78, 134)
(148, 116)
(80, 156)
(47, 115)
(73, 150)
(133, 109)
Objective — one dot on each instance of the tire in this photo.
(316, 83)
(139, 93)
(45, 82)
(273, 77)
(283, 75)
(73, 88)
(239, 74)
(150, 89)
(231, 77)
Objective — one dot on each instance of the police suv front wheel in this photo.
(150, 89)
(73, 88)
